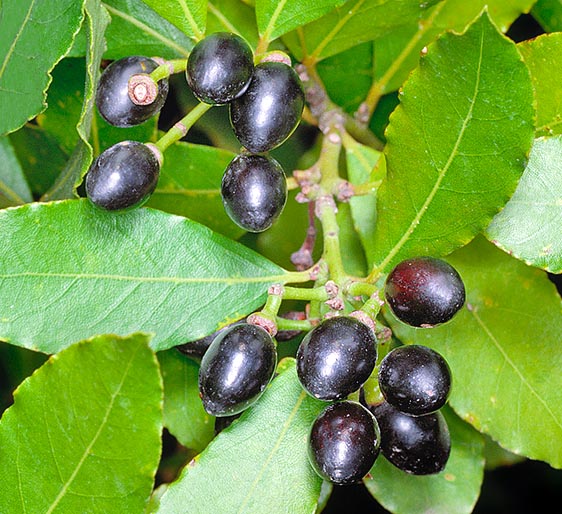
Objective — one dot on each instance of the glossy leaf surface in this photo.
(190, 16)
(14, 189)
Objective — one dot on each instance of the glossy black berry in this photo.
(344, 442)
(254, 191)
(236, 369)
(123, 176)
(419, 445)
(336, 357)
(112, 96)
(270, 109)
(196, 349)
(424, 291)
(415, 379)
(219, 68)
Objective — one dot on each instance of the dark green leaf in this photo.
(529, 226)
(261, 459)
(184, 415)
(543, 57)
(190, 186)
(277, 17)
(13, 186)
(503, 350)
(232, 16)
(94, 272)
(83, 434)
(453, 491)
(25, 28)
(549, 14)
(457, 145)
(135, 29)
(190, 16)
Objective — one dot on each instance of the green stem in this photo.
(168, 68)
(181, 128)
(310, 294)
(326, 212)
(294, 324)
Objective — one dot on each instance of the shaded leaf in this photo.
(184, 415)
(457, 145)
(190, 16)
(90, 419)
(549, 14)
(529, 226)
(14, 189)
(232, 16)
(276, 18)
(107, 272)
(453, 491)
(266, 452)
(503, 350)
(25, 65)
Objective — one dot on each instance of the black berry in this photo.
(196, 349)
(123, 176)
(236, 369)
(254, 191)
(112, 97)
(424, 291)
(219, 68)
(344, 442)
(415, 379)
(419, 445)
(270, 109)
(335, 358)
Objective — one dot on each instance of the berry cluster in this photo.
(265, 102)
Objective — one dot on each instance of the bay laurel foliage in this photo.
(428, 130)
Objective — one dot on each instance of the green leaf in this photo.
(453, 491)
(190, 16)
(232, 16)
(81, 158)
(549, 14)
(543, 57)
(184, 415)
(261, 459)
(14, 189)
(503, 350)
(135, 29)
(345, 27)
(529, 226)
(26, 63)
(457, 145)
(190, 186)
(107, 272)
(277, 17)
(83, 434)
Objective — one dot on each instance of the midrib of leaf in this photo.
(273, 20)
(335, 30)
(420, 212)
(223, 19)
(547, 126)
(273, 451)
(9, 193)
(147, 29)
(514, 367)
(8, 55)
(86, 452)
(198, 34)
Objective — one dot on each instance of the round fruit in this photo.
(123, 176)
(254, 191)
(112, 97)
(419, 445)
(415, 379)
(236, 369)
(219, 68)
(344, 442)
(336, 357)
(270, 109)
(196, 349)
(424, 291)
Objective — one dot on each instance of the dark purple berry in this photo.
(424, 291)
(419, 445)
(336, 357)
(236, 369)
(123, 176)
(344, 442)
(270, 109)
(112, 97)
(254, 191)
(196, 349)
(415, 379)
(219, 68)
